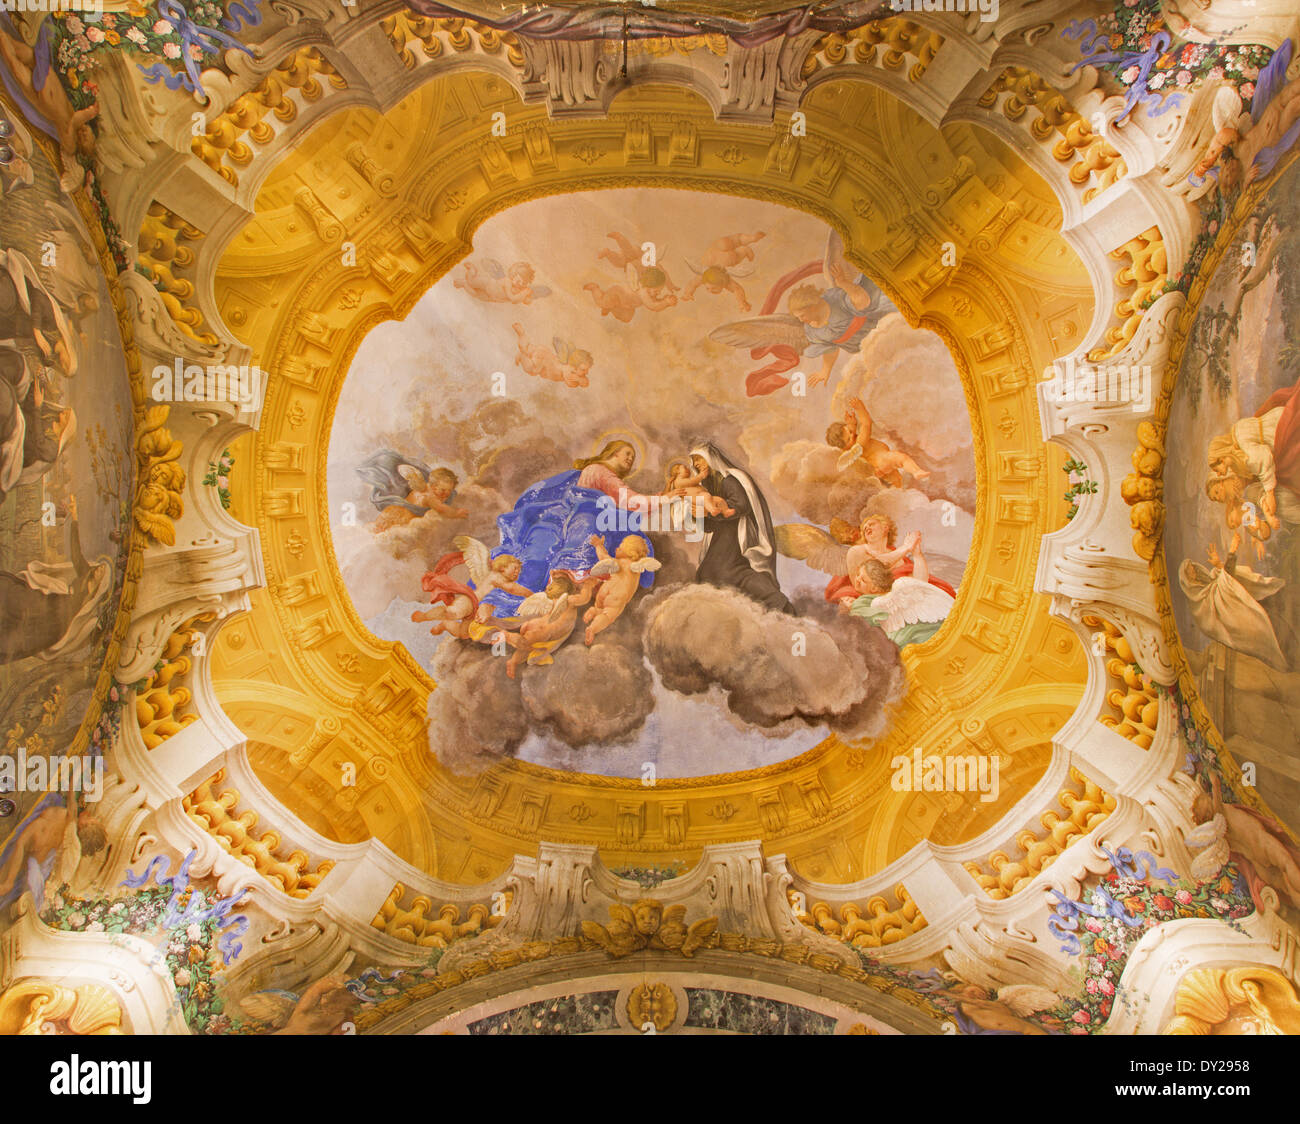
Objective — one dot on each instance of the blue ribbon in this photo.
(1091, 40)
(209, 40)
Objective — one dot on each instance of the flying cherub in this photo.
(1252, 143)
(551, 615)
(458, 609)
(722, 256)
(567, 364)
(404, 490)
(622, 573)
(853, 436)
(846, 549)
(323, 1008)
(1009, 1011)
(682, 482)
(908, 609)
(648, 286)
(821, 321)
(489, 281)
(28, 59)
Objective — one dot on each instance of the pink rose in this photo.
(1183, 78)
(1092, 925)
(95, 34)
(172, 50)
(136, 36)
(1082, 1017)
(1247, 90)
(163, 27)
(108, 19)
(1107, 988)
(74, 25)
(196, 52)
(1091, 987)
(1131, 73)
(1183, 896)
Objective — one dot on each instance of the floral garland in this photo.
(170, 35)
(1134, 45)
(1080, 485)
(648, 878)
(190, 923)
(218, 476)
(1109, 936)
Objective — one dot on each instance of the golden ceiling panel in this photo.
(283, 280)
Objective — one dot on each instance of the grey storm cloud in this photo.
(818, 668)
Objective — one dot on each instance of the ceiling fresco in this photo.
(692, 518)
(520, 403)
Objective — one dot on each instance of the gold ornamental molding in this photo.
(1002, 675)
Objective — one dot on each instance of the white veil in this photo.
(757, 541)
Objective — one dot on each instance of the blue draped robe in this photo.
(549, 528)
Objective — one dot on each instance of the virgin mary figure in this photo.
(551, 524)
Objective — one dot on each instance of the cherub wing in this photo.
(540, 291)
(492, 268)
(633, 276)
(605, 568)
(411, 475)
(848, 458)
(763, 331)
(563, 348)
(651, 564)
(912, 601)
(535, 605)
(477, 557)
(272, 1006)
(812, 545)
(1027, 999)
(539, 603)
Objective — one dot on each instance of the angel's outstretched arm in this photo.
(828, 362)
(843, 274)
(657, 304)
(599, 544)
(864, 420)
(737, 290)
(920, 568)
(444, 509)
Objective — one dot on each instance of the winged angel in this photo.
(819, 321)
(490, 281)
(323, 1008)
(647, 924)
(876, 581)
(456, 607)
